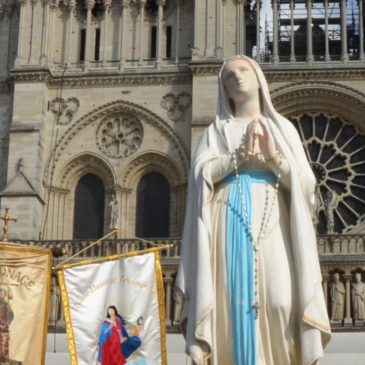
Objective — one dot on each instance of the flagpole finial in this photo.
(6, 218)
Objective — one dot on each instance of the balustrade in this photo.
(342, 259)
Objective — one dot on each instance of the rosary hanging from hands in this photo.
(246, 156)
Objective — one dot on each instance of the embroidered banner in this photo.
(25, 274)
(114, 310)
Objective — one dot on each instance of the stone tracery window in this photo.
(336, 151)
(119, 135)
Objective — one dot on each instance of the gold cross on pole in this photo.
(6, 218)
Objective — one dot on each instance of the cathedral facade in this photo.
(103, 101)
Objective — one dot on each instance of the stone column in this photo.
(258, 30)
(33, 19)
(325, 278)
(361, 31)
(142, 4)
(122, 34)
(20, 56)
(53, 6)
(72, 5)
(292, 42)
(310, 57)
(108, 4)
(89, 4)
(327, 56)
(218, 30)
(275, 6)
(348, 319)
(44, 53)
(241, 27)
(161, 4)
(5, 26)
(177, 31)
(2, 21)
(344, 54)
(196, 51)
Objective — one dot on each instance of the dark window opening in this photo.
(82, 44)
(153, 49)
(89, 208)
(153, 206)
(97, 44)
(168, 41)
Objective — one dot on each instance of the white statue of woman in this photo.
(358, 298)
(249, 266)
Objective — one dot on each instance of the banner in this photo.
(25, 274)
(114, 310)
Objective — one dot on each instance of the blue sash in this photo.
(240, 265)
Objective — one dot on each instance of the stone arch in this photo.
(121, 106)
(325, 96)
(61, 201)
(176, 177)
(152, 161)
(83, 164)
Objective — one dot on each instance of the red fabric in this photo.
(111, 351)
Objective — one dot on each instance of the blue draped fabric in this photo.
(240, 265)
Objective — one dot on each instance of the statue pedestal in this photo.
(336, 324)
(359, 323)
(348, 322)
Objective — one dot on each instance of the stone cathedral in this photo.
(103, 101)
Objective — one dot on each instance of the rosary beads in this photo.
(264, 222)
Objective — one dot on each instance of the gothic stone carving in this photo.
(64, 110)
(176, 105)
(119, 136)
(337, 299)
(358, 298)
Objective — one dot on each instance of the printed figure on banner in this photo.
(115, 344)
(6, 317)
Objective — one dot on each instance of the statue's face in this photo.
(239, 79)
(358, 277)
(336, 278)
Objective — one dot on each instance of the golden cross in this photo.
(6, 218)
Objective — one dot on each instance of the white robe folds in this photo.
(197, 275)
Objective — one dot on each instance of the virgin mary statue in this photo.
(249, 269)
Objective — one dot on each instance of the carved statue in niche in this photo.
(337, 299)
(113, 205)
(317, 206)
(358, 298)
(55, 301)
(331, 204)
(178, 304)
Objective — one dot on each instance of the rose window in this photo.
(120, 135)
(336, 151)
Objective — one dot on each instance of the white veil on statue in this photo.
(195, 273)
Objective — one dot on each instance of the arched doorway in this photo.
(89, 208)
(153, 206)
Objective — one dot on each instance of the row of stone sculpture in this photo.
(338, 294)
